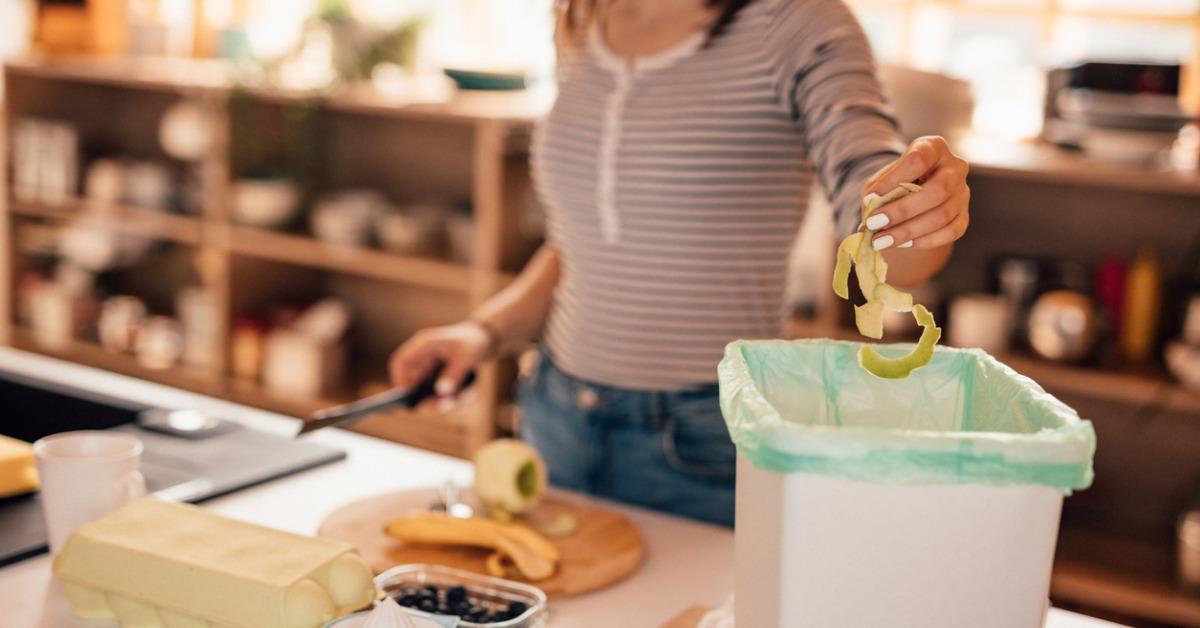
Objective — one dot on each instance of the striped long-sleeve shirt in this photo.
(675, 185)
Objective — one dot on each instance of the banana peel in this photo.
(530, 553)
(871, 271)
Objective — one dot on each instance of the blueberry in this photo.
(432, 590)
(427, 605)
(455, 594)
(516, 609)
(408, 600)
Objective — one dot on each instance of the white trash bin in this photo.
(929, 502)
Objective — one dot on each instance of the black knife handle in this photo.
(427, 387)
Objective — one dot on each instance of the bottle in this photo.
(1143, 307)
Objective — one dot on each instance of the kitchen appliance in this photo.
(176, 468)
(1062, 326)
(1125, 112)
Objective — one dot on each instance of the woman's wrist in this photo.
(495, 340)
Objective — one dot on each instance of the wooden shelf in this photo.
(1123, 575)
(183, 76)
(135, 220)
(92, 354)
(306, 251)
(1129, 387)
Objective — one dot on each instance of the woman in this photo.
(675, 168)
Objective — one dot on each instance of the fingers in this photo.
(454, 350)
(945, 235)
(919, 231)
(413, 361)
(921, 158)
(453, 373)
(948, 181)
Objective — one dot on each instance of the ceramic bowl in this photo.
(265, 203)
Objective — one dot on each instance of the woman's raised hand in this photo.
(457, 349)
(935, 216)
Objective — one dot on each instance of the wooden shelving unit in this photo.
(309, 252)
(136, 220)
(471, 146)
(93, 354)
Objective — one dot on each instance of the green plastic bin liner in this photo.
(807, 406)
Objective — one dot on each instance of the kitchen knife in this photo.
(395, 398)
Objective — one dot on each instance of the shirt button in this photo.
(586, 399)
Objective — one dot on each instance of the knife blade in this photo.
(395, 398)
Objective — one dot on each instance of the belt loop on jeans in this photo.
(657, 411)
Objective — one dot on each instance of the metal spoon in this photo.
(450, 503)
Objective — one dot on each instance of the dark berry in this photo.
(410, 601)
(456, 594)
(432, 590)
(427, 605)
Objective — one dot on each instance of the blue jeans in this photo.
(669, 451)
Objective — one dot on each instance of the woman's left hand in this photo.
(931, 218)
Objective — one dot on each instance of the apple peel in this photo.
(871, 270)
(899, 368)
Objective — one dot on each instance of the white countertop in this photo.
(686, 563)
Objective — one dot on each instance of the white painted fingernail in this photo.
(444, 387)
(907, 244)
(882, 242)
(875, 222)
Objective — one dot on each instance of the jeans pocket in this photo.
(695, 441)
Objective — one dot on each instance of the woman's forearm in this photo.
(516, 313)
(909, 268)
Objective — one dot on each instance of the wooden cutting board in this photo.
(603, 549)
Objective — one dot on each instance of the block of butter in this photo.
(18, 473)
(154, 564)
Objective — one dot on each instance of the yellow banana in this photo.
(534, 556)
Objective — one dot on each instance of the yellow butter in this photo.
(156, 564)
(18, 473)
